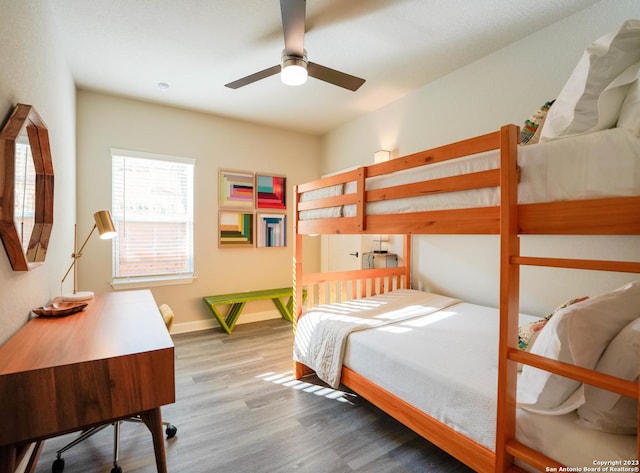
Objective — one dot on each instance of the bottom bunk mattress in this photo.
(444, 361)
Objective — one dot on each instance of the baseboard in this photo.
(196, 325)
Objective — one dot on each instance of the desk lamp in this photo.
(107, 231)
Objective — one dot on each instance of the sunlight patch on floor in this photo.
(287, 380)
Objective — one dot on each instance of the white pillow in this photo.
(607, 411)
(529, 346)
(612, 97)
(578, 334)
(582, 105)
(630, 111)
(528, 333)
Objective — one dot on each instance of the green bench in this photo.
(237, 301)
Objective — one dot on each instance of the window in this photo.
(152, 207)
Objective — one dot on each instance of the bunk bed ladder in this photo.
(507, 447)
(610, 383)
(509, 298)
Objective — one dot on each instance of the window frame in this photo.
(144, 281)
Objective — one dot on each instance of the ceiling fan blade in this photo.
(339, 11)
(250, 79)
(341, 79)
(293, 26)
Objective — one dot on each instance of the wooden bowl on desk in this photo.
(59, 308)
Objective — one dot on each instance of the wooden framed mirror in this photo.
(26, 188)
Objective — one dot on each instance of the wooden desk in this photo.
(59, 375)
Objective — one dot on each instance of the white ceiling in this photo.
(126, 47)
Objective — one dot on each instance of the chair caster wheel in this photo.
(116, 469)
(58, 465)
(171, 431)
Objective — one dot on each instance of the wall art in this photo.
(272, 230)
(235, 229)
(271, 192)
(236, 189)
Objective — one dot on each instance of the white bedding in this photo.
(445, 364)
(561, 438)
(601, 164)
(435, 365)
(322, 333)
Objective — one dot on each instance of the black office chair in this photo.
(170, 429)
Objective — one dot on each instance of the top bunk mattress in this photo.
(594, 165)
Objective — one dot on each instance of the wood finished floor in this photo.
(238, 411)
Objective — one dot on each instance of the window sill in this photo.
(140, 283)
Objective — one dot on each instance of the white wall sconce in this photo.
(381, 156)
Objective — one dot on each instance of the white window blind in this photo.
(152, 208)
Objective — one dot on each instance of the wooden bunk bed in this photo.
(613, 215)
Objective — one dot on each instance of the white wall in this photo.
(105, 121)
(34, 72)
(504, 87)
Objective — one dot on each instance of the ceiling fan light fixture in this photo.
(294, 69)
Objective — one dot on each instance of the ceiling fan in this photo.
(295, 67)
